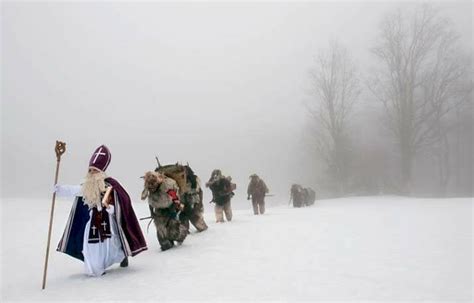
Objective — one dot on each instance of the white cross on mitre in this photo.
(98, 153)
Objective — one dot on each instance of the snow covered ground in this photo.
(365, 248)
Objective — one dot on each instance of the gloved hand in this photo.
(66, 190)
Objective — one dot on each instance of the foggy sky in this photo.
(216, 85)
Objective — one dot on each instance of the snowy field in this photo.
(365, 248)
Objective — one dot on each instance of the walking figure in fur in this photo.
(257, 190)
(222, 191)
(190, 194)
(165, 207)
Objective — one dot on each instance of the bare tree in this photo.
(418, 80)
(336, 88)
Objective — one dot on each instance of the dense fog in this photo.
(350, 98)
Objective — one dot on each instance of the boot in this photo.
(166, 245)
(124, 262)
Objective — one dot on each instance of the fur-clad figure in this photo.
(222, 191)
(190, 194)
(257, 189)
(297, 195)
(310, 196)
(163, 199)
(193, 206)
(102, 228)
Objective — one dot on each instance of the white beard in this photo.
(92, 188)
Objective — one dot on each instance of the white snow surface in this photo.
(363, 248)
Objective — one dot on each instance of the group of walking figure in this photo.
(103, 229)
(302, 196)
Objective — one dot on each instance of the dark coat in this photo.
(257, 188)
(222, 190)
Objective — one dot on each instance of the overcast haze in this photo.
(216, 85)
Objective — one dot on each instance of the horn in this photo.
(158, 161)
